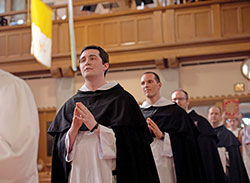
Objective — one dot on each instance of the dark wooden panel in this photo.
(14, 47)
(230, 21)
(80, 37)
(2, 46)
(246, 19)
(127, 29)
(184, 25)
(202, 24)
(26, 43)
(145, 30)
(110, 34)
(94, 34)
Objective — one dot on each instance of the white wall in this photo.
(213, 79)
(44, 91)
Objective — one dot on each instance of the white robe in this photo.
(235, 132)
(19, 131)
(93, 157)
(162, 150)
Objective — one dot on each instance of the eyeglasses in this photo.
(174, 99)
(230, 120)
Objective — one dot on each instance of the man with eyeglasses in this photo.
(175, 146)
(207, 139)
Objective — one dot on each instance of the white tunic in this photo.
(93, 157)
(235, 132)
(162, 150)
(19, 131)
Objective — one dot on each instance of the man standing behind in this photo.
(19, 131)
(175, 136)
(236, 171)
(100, 134)
(207, 140)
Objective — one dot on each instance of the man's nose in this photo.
(87, 61)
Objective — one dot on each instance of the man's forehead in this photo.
(214, 109)
(178, 94)
(89, 52)
(148, 76)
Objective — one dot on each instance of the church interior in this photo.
(201, 46)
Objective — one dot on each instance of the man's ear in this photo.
(160, 84)
(106, 66)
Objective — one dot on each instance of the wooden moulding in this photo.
(211, 100)
(46, 109)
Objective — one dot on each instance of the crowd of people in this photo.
(101, 134)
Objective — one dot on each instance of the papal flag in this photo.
(41, 46)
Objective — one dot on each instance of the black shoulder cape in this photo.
(183, 136)
(236, 170)
(207, 141)
(117, 109)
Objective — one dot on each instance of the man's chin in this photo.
(88, 75)
(215, 122)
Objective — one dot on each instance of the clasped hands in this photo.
(154, 128)
(82, 115)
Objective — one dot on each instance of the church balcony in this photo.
(162, 36)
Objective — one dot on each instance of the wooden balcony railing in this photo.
(163, 36)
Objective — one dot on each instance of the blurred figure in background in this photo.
(235, 169)
(243, 135)
(19, 131)
(207, 139)
(141, 4)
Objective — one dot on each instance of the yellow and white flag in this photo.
(41, 28)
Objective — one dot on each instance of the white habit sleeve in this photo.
(166, 148)
(106, 144)
(223, 158)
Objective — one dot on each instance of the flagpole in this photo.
(72, 35)
(28, 12)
